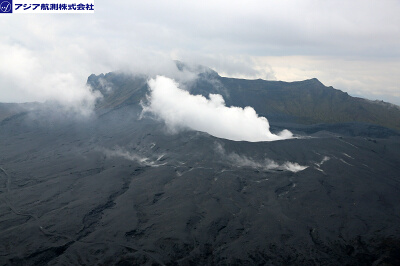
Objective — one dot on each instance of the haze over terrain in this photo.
(201, 133)
(350, 45)
(131, 182)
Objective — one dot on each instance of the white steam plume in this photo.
(267, 164)
(179, 109)
(120, 152)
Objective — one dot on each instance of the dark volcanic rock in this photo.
(114, 189)
(302, 102)
(118, 190)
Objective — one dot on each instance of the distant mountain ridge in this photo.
(303, 102)
(116, 188)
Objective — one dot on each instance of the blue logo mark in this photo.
(5, 6)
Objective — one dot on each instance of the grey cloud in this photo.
(229, 36)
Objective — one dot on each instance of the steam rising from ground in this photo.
(33, 76)
(267, 164)
(181, 110)
(120, 152)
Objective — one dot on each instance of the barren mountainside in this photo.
(303, 102)
(118, 188)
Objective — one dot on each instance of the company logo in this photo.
(5, 6)
(52, 6)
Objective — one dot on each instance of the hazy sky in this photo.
(350, 45)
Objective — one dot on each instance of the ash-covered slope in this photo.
(304, 102)
(113, 189)
(116, 190)
(8, 110)
(119, 89)
(310, 102)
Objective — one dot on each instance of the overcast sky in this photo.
(350, 45)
